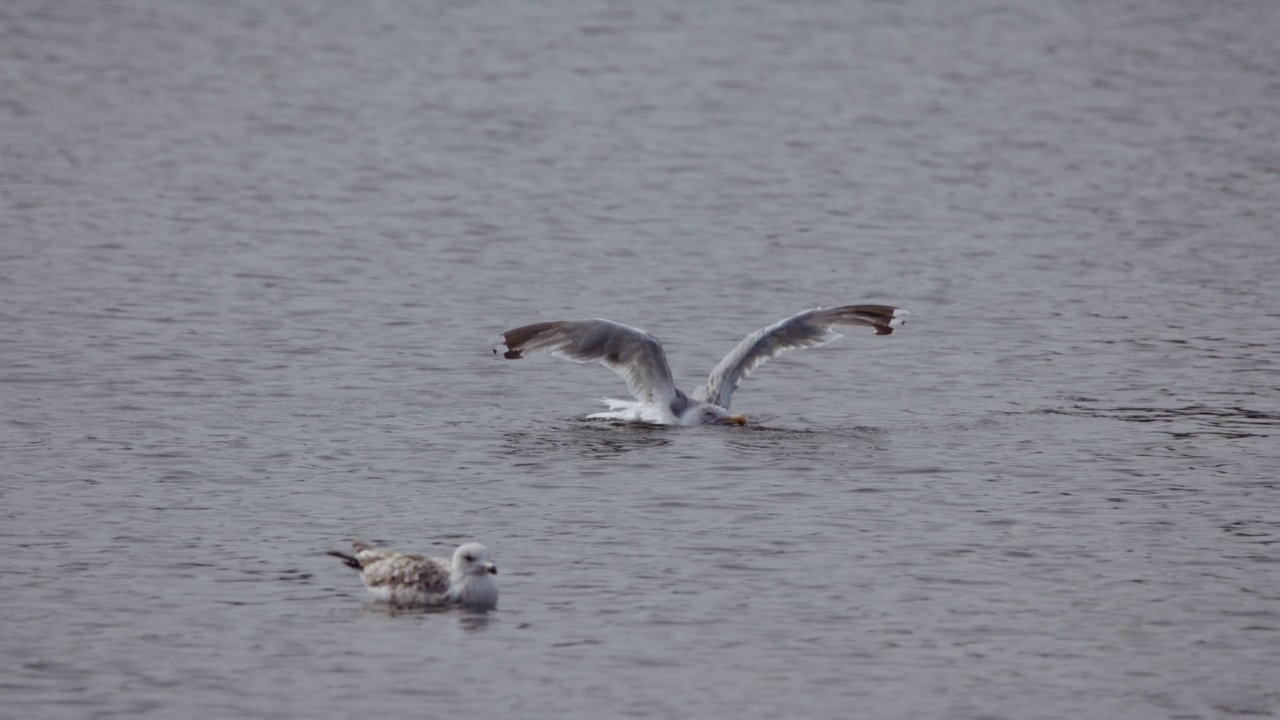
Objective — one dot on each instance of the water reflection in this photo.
(587, 439)
(474, 620)
(467, 620)
(795, 441)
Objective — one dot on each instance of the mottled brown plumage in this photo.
(404, 579)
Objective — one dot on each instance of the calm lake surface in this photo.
(253, 257)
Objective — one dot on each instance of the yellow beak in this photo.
(736, 420)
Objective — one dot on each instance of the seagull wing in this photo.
(397, 572)
(808, 329)
(632, 353)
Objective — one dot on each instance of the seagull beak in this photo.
(736, 420)
(491, 568)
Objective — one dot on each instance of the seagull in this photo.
(638, 357)
(404, 580)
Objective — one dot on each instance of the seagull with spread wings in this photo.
(638, 357)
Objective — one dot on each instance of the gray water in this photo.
(253, 256)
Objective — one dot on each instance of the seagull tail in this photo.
(348, 560)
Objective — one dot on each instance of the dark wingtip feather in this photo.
(514, 340)
(884, 318)
(346, 559)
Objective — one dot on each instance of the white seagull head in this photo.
(472, 559)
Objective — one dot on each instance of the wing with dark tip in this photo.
(810, 328)
(632, 353)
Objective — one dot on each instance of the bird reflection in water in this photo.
(588, 439)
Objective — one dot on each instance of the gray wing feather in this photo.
(808, 329)
(632, 353)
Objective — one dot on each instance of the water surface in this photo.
(252, 259)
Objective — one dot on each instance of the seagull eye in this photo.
(468, 557)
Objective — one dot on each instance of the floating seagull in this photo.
(404, 580)
(638, 357)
